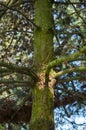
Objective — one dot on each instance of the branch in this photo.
(77, 12)
(81, 78)
(69, 99)
(13, 87)
(25, 17)
(77, 69)
(15, 82)
(10, 112)
(67, 3)
(68, 58)
(16, 113)
(19, 69)
(13, 9)
(22, 104)
(3, 70)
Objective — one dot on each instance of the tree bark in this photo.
(42, 107)
(43, 35)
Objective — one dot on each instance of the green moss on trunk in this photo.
(43, 36)
(42, 108)
(42, 112)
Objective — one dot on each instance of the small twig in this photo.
(11, 8)
(77, 12)
(67, 3)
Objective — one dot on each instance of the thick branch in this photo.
(68, 58)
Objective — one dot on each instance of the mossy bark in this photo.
(43, 35)
(42, 108)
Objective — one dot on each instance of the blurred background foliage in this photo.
(16, 46)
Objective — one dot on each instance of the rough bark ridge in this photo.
(42, 108)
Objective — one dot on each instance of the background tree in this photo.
(42, 61)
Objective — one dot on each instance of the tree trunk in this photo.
(42, 108)
(43, 35)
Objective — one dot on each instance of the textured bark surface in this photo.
(43, 36)
(42, 107)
